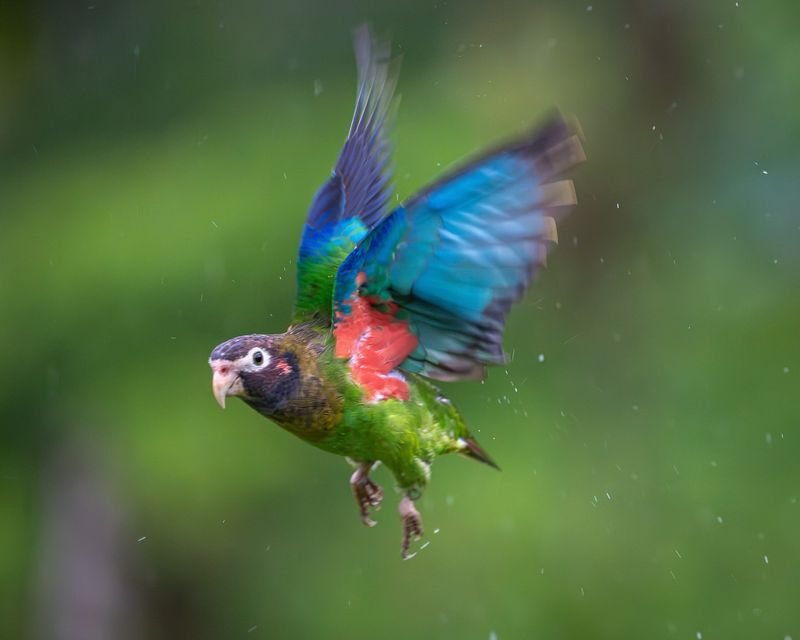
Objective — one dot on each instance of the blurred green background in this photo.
(156, 162)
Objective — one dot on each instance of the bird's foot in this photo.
(368, 494)
(412, 524)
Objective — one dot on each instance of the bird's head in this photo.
(253, 368)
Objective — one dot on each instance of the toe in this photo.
(374, 494)
(368, 521)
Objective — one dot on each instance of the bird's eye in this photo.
(258, 358)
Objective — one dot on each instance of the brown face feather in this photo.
(278, 376)
(258, 369)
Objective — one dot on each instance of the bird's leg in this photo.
(412, 523)
(367, 493)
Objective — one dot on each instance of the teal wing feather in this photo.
(451, 261)
(354, 198)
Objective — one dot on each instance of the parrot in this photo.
(390, 298)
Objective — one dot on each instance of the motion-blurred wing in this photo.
(428, 290)
(353, 200)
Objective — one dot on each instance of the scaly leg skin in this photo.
(368, 494)
(412, 524)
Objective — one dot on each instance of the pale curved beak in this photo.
(226, 381)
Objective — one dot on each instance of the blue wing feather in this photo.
(354, 198)
(455, 257)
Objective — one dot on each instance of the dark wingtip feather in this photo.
(365, 158)
(377, 79)
(553, 147)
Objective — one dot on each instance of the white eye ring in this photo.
(258, 358)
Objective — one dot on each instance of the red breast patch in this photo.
(376, 342)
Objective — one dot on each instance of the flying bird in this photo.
(388, 298)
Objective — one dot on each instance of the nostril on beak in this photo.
(221, 369)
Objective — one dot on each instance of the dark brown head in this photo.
(256, 369)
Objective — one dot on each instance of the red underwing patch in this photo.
(376, 342)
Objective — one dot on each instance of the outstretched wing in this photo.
(354, 198)
(428, 290)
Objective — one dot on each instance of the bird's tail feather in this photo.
(473, 450)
